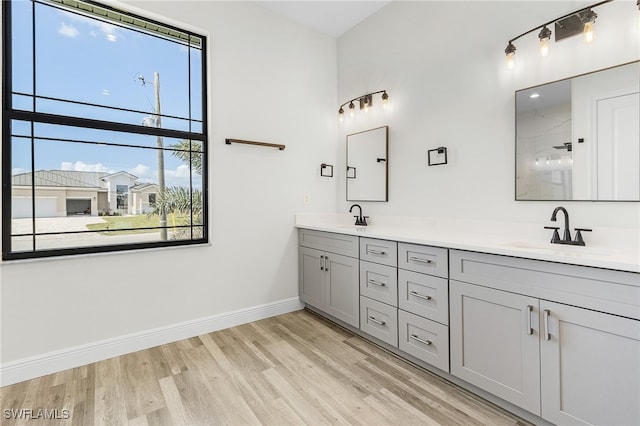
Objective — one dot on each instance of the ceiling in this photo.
(331, 17)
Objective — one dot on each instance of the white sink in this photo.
(558, 248)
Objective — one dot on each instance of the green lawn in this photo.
(132, 223)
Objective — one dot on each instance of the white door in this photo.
(494, 342)
(590, 367)
(618, 147)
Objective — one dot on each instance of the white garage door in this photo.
(21, 207)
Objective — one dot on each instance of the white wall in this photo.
(270, 80)
(443, 65)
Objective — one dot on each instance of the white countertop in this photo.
(610, 248)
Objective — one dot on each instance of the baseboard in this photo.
(64, 359)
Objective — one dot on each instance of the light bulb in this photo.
(588, 32)
(510, 61)
(341, 114)
(385, 98)
(510, 51)
(544, 47)
(588, 18)
(544, 37)
(352, 108)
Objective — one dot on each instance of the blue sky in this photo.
(86, 60)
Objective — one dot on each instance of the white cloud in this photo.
(181, 172)
(68, 30)
(110, 31)
(80, 166)
(17, 171)
(141, 171)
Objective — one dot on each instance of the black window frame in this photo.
(9, 114)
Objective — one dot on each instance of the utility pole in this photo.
(160, 143)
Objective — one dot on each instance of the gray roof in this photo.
(60, 178)
(141, 186)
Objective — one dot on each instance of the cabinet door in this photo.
(494, 342)
(342, 288)
(590, 366)
(311, 277)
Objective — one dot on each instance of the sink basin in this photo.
(558, 248)
(352, 227)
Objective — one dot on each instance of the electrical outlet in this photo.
(307, 198)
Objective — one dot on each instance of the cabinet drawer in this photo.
(328, 241)
(379, 320)
(614, 292)
(423, 259)
(379, 251)
(426, 340)
(379, 282)
(424, 295)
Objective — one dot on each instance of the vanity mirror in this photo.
(579, 138)
(367, 170)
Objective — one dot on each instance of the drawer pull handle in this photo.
(421, 296)
(322, 263)
(420, 260)
(376, 252)
(378, 283)
(417, 339)
(372, 319)
(529, 326)
(547, 334)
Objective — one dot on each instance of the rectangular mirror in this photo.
(367, 170)
(579, 138)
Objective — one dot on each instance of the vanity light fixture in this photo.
(580, 21)
(365, 102)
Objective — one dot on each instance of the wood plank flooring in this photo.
(291, 369)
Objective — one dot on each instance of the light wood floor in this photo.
(292, 369)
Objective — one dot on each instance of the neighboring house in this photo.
(70, 193)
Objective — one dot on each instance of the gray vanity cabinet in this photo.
(567, 364)
(590, 367)
(329, 274)
(423, 302)
(379, 289)
(493, 344)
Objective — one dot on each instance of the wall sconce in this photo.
(580, 21)
(364, 102)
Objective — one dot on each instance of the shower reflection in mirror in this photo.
(579, 138)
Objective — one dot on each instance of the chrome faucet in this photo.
(360, 220)
(566, 237)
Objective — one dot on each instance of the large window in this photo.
(104, 141)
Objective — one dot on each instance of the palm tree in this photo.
(189, 152)
(183, 204)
